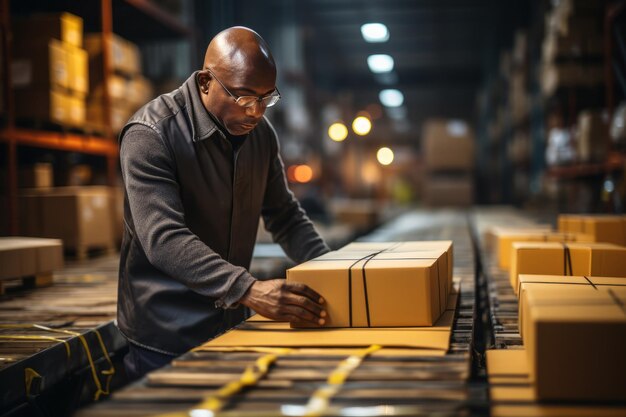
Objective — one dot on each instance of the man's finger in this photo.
(302, 314)
(305, 290)
(305, 302)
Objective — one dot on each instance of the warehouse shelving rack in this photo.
(136, 20)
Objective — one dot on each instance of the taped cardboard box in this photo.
(583, 259)
(391, 288)
(575, 338)
(490, 236)
(549, 283)
(419, 246)
(607, 229)
(505, 242)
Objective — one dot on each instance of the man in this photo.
(200, 166)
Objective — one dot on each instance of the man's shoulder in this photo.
(160, 108)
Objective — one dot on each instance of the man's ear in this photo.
(203, 81)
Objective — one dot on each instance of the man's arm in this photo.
(153, 194)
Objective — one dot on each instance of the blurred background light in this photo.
(380, 63)
(361, 125)
(375, 32)
(384, 156)
(338, 132)
(391, 98)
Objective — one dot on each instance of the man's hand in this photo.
(277, 299)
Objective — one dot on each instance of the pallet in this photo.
(43, 279)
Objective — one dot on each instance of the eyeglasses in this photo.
(248, 101)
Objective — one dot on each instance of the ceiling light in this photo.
(384, 156)
(380, 63)
(375, 32)
(338, 132)
(391, 98)
(361, 125)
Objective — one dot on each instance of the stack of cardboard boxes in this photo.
(49, 69)
(572, 47)
(127, 88)
(448, 150)
(571, 306)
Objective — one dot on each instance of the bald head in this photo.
(239, 49)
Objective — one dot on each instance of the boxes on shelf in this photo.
(603, 228)
(575, 338)
(78, 67)
(447, 190)
(448, 145)
(65, 27)
(555, 76)
(400, 285)
(86, 214)
(42, 65)
(39, 175)
(43, 105)
(593, 136)
(588, 259)
(119, 113)
(125, 57)
(504, 241)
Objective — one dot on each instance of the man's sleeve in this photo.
(283, 216)
(149, 173)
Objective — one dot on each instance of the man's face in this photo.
(236, 119)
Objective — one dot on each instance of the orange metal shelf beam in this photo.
(60, 141)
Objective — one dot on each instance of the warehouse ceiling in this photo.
(439, 47)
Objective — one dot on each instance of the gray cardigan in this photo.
(191, 214)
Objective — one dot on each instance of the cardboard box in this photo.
(447, 191)
(76, 111)
(490, 236)
(505, 242)
(65, 27)
(86, 214)
(120, 113)
(556, 282)
(36, 176)
(43, 105)
(583, 259)
(555, 76)
(140, 91)
(22, 256)
(447, 145)
(362, 214)
(420, 246)
(603, 228)
(373, 288)
(593, 137)
(575, 338)
(78, 66)
(124, 57)
(42, 65)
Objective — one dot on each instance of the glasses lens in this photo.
(271, 100)
(246, 101)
